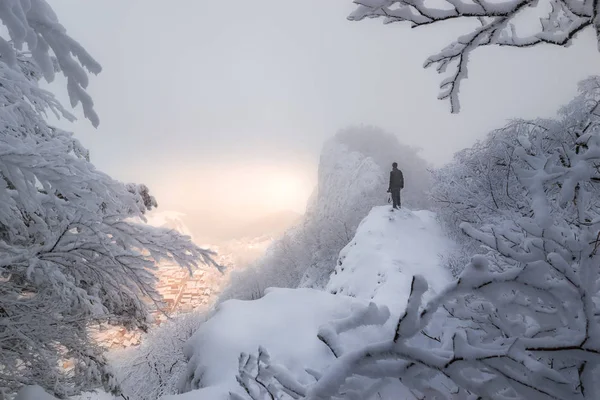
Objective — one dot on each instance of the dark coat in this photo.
(396, 179)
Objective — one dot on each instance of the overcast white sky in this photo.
(214, 104)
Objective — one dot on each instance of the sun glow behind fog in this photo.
(263, 188)
(283, 190)
(244, 192)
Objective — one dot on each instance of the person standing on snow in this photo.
(396, 184)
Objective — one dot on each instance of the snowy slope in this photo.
(388, 249)
(286, 321)
(377, 265)
(349, 185)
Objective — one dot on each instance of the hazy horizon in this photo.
(222, 108)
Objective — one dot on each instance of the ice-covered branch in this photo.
(33, 23)
(499, 24)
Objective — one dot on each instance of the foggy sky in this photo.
(193, 91)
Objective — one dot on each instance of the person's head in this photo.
(395, 165)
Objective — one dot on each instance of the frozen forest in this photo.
(485, 284)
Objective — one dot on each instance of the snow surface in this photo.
(286, 321)
(388, 249)
(377, 265)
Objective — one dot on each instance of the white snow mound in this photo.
(284, 321)
(389, 248)
(377, 266)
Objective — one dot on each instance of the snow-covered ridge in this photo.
(352, 179)
(376, 266)
(388, 249)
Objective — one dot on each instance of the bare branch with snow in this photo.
(498, 23)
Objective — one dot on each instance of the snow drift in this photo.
(284, 320)
(376, 266)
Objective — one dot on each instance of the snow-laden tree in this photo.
(155, 367)
(71, 253)
(486, 172)
(522, 321)
(480, 185)
(283, 265)
(514, 23)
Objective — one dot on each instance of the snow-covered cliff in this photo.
(352, 179)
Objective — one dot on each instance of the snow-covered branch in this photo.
(498, 23)
(74, 248)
